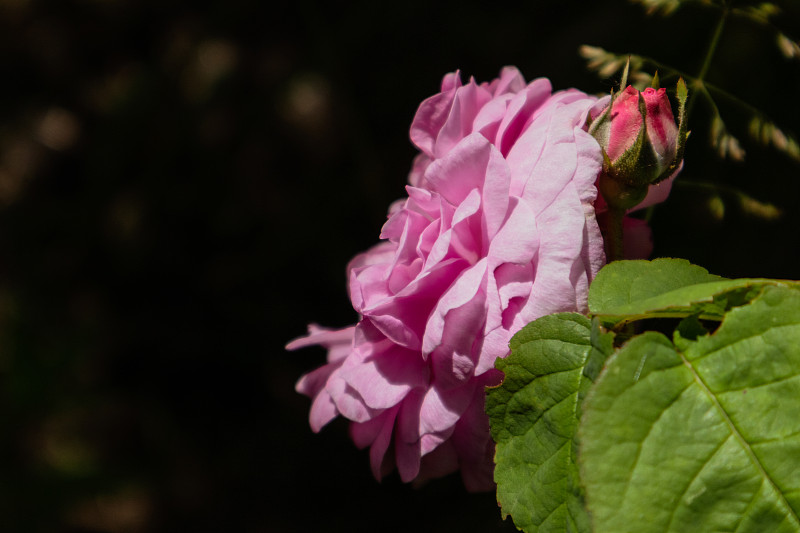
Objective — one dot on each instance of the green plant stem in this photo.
(712, 47)
(615, 216)
(615, 248)
(698, 84)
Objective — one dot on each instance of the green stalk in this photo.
(614, 229)
(712, 48)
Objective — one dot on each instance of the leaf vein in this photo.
(689, 484)
(547, 409)
(737, 340)
(746, 509)
(776, 439)
(766, 384)
(737, 434)
(566, 439)
(644, 439)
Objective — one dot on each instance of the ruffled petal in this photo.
(386, 377)
(498, 228)
(431, 116)
(442, 408)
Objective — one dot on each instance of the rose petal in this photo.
(386, 377)
(339, 341)
(462, 291)
(499, 228)
(520, 110)
(441, 408)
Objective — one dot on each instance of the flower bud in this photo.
(642, 144)
(626, 124)
(661, 128)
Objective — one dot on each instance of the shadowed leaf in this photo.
(534, 416)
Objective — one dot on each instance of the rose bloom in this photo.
(498, 229)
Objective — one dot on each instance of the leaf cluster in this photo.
(606, 424)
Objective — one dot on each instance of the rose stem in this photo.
(615, 216)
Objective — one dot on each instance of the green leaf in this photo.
(624, 80)
(768, 133)
(655, 83)
(625, 291)
(717, 203)
(682, 92)
(701, 438)
(726, 144)
(665, 7)
(789, 48)
(534, 417)
(623, 282)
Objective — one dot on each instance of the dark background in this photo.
(181, 187)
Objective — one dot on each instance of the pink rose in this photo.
(498, 229)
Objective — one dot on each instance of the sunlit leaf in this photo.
(716, 205)
(626, 291)
(606, 64)
(664, 7)
(788, 47)
(767, 133)
(726, 144)
(759, 209)
(624, 282)
(760, 13)
(701, 438)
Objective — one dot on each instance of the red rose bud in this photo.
(626, 123)
(635, 156)
(661, 128)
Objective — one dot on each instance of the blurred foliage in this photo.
(761, 128)
(181, 187)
